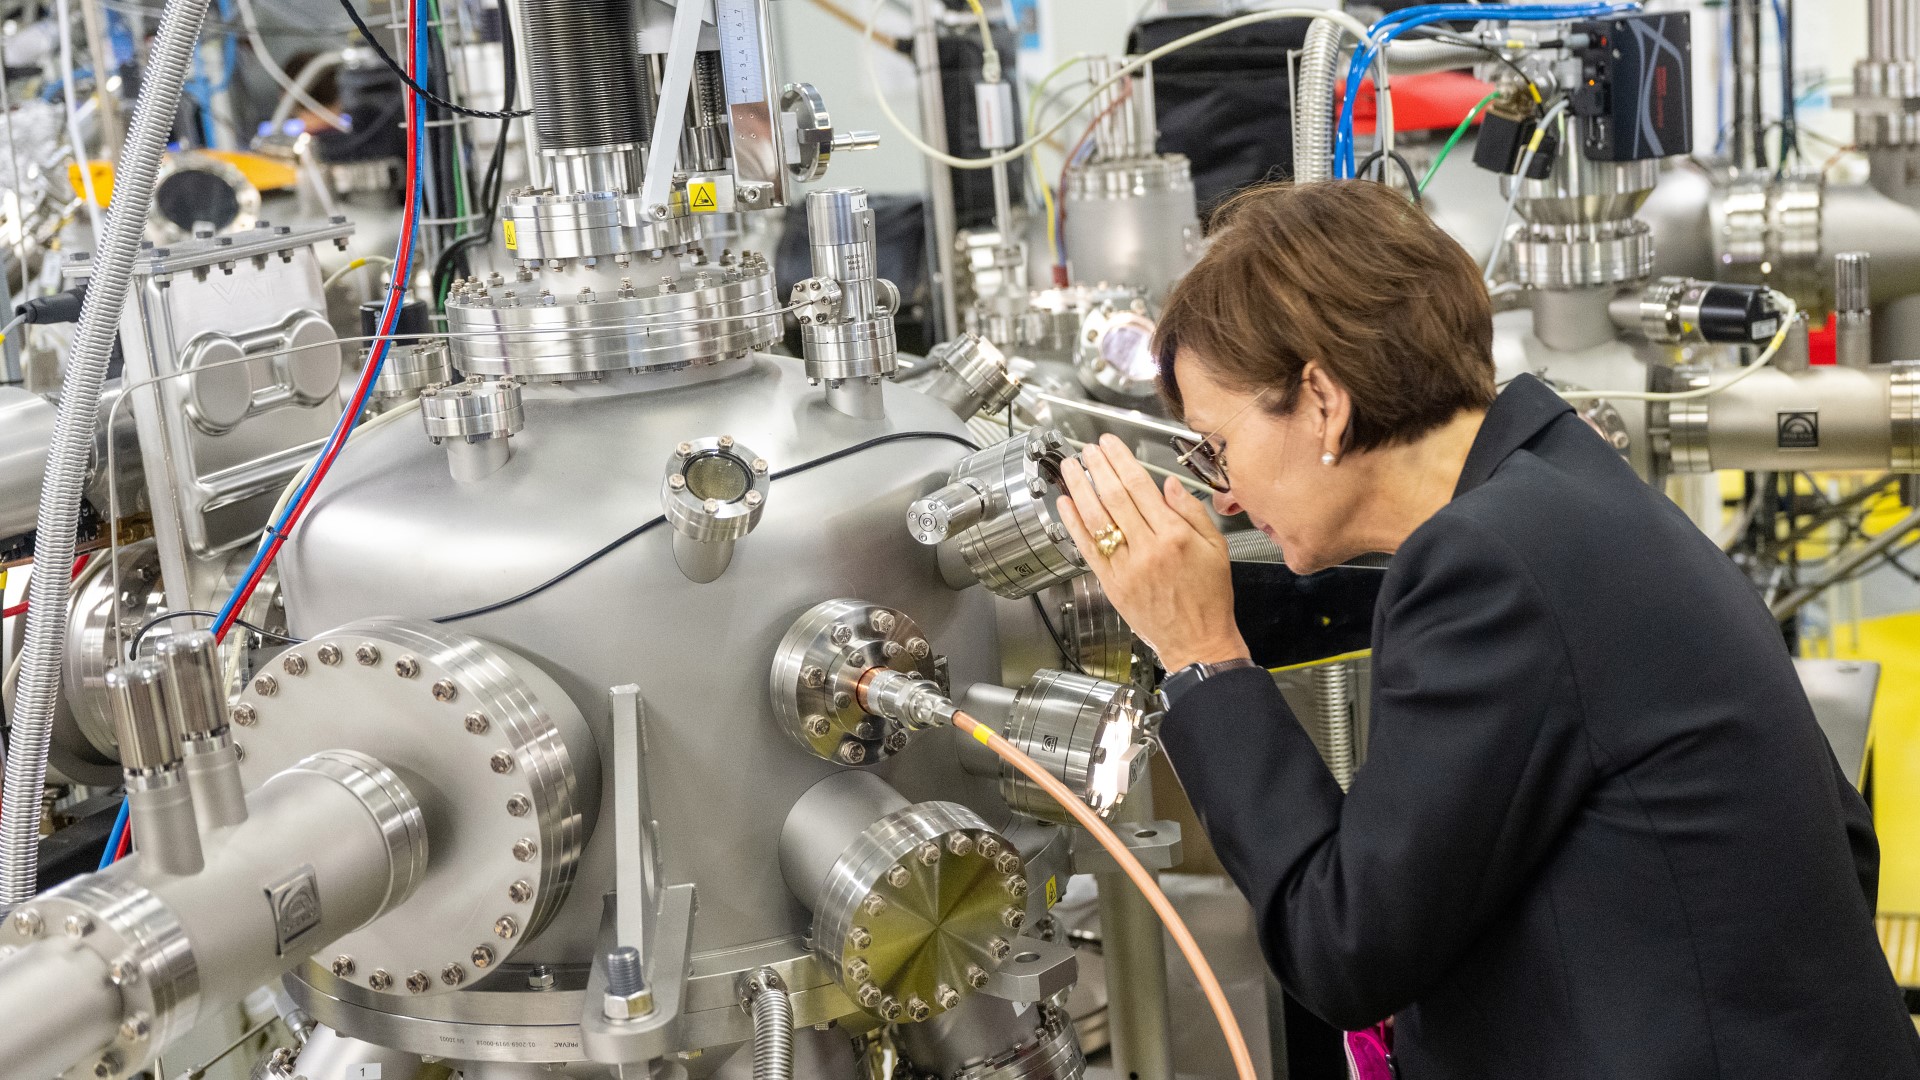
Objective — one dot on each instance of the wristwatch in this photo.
(1176, 685)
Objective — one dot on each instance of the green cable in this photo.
(1458, 133)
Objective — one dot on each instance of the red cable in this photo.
(20, 608)
(1067, 166)
(359, 400)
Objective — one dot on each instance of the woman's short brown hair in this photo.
(1351, 275)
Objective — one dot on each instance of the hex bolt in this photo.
(882, 621)
(869, 995)
(842, 700)
(813, 676)
(860, 937)
(840, 634)
(852, 752)
(329, 654)
(990, 847)
(959, 844)
(1007, 863)
(918, 1010)
(946, 995)
(419, 983)
(874, 904)
(897, 740)
(28, 923)
(977, 976)
(368, 654)
(899, 876)
(520, 892)
(78, 925)
(817, 726)
(919, 648)
(379, 980)
(444, 690)
(519, 805)
(676, 482)
(525, 849)
(1016, 886)
(1014, 918)
(759, 466)
(889, 1008)
(892, 650)
(999, 947)
(858, 969)
(928, 854)
(501, 761)
(477, 723)
(406, 667)
(625, 976)
(453, 974)
(244, 715)
(135, 1028)
(504, 928)
(343, 966)
(266, 686)
(293, 664)
(482, 956)
(540, 978)
(108, 1065)
(123, 973)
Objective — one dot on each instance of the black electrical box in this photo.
(1635, 93)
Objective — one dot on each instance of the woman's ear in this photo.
(1333, 408)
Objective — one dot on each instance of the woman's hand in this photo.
(1170, 580)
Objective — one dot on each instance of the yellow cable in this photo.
(1357, 654)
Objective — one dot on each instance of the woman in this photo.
(1598, 832)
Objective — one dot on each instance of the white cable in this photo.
(279, 74)
(1384, 105)
(1519, 181)
(338, 275)
(1789, 315)
(80, 158)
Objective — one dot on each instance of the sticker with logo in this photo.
(295, 902)
(1798, 430)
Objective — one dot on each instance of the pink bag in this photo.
(1370, 1053)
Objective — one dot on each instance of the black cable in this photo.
(1492, 51)
(490, 186)
(1406, 170)
(653, 523)
(1059, 643)
(133, 647)
(373, 41)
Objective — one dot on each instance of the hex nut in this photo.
(519, 805)
(1016, 886)
(244, 715)
(520, 892)
(817, 726)
(842, 700)
(869, 995)
(123, 973)
(892, 650)
(813, 676)
(928, 854)
(343, 966)
(501, 762)
(858, 969)
(28, 923)
(999, 947)
(899, 876)
(889, 1008)
(505, 927)
(627, 1007)
(453, 974)
(989, 846)
(368, 654)
(78, 925)
(419, 983)
(918, 1010)
(919, 648)
(860, 937)
(524, 849)
(840, 634)
(852, 751)
(977, 976)
(293, 664)
(898, 740)
(1014, 918)
(1007, 863)
(135, 1028)
(874, 904)
(329, 654)
(482, 956)
(108, 1065)
(444, 690)
(406, 667)
(266, 686)
(477, 723)
(379, 980)
(946, 995)
(959, 844)
(882, 620)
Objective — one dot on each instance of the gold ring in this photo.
(1110, 541)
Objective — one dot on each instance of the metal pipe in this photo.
(772, 1027)
(1746, 147)
(47, 1031)
(1852, 310)
(1313, 104)
(195, 698)
(1133, 949)
(933, 130)
(67, 462)
(1846, 565)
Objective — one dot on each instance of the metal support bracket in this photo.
(636, 858)
(644, 1038)
(746, 59)
(656, 191)
(1155, 843)
(1036, 971)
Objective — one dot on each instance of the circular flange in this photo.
(696, 316)
(1115, 359)
(715, 489)
(817, 669)
(1019, 547)
(411, 369)
(920, 911)
(1101, 641)
(1090, 733)
(476, 409)
(1051, 1051)
(499, 758)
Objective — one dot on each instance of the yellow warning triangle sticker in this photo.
(701, 197)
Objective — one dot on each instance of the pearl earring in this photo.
(1328, 458)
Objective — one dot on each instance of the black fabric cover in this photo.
(1598, 833)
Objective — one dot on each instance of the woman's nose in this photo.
(1224, 504)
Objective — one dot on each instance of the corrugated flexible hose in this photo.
(1313, 110)
(1333, 718)
(772, 1028)
(67, 459)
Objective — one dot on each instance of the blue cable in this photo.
(113, 836)
(1392, 26)
(403, 249)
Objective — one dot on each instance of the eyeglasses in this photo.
(1206, 458)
